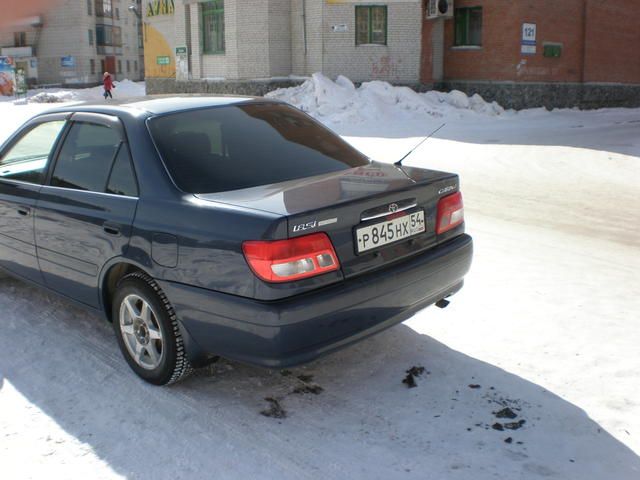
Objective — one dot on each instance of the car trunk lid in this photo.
(342, 202)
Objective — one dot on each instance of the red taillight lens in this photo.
(293, 259)
(450, 213)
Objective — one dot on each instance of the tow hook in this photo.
(442, 303)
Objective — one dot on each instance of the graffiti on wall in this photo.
(385, 67)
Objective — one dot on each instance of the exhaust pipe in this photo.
(442, 303)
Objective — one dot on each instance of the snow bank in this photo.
(340, 101)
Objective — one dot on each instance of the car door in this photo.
(86, 208)
(23, 168)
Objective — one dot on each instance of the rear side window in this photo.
(241, 146)
(122, 180)
(27, 159)
(86, 157)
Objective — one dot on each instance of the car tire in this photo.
(147, 331)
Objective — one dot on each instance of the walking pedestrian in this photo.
(108, 85)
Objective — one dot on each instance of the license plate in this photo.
(383, 233)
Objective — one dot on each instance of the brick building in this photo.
(73, 42)
(537, 52)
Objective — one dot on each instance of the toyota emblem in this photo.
(393, 207)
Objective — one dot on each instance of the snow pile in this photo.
(340, 101)
(124, 89)
(53, 97)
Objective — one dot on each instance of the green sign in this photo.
(163, 60)
(181, 50)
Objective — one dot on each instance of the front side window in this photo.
(86, 157)
(90, 32)
(468, 27)
(27, 159)
(371, 25)
(213, 27)
(242, 146)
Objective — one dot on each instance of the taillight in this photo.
(450, 213)
(293, 259)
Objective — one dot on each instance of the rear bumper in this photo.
(299, 329)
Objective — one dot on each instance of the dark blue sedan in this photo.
(235, 227)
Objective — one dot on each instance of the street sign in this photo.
(528, 42)
(181, 50)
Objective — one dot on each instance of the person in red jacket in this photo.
(108, 85)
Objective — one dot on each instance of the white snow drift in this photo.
(342, 102)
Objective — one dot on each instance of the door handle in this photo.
(24, 211)
(111, 228)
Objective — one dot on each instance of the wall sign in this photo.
(528, 42)
(163, 60)
(160, 7)
(68, 61)
(340, 28)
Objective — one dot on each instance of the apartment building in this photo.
(74, 41)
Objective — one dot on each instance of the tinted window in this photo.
(241, 146)
(27, 159)
(122, 180)
(86, 157)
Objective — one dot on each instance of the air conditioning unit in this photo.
(439, 9)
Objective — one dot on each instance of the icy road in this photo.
(532, 371)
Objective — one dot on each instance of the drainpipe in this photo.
(304, 25)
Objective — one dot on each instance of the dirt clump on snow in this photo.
(506, 413)
(307, 388)
(275, 410)
(413, 373)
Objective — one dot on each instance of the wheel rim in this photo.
(141, 332)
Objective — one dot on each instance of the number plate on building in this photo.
(380, 234)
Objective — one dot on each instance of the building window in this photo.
(20, 39)
(117, 13)
(119, 66)
(468, 25)
(128, 66)
(90, 32)
(89, 7)
(104, 8)
(371, 25)
(103, 65)
(135, 65)
(213, 27)
(108, 35)
(92, 65)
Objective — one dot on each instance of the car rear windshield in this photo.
(240, 146)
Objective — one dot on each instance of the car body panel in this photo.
(101, 226)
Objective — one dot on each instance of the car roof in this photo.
(160, 104)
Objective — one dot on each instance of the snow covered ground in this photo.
(547, 324)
